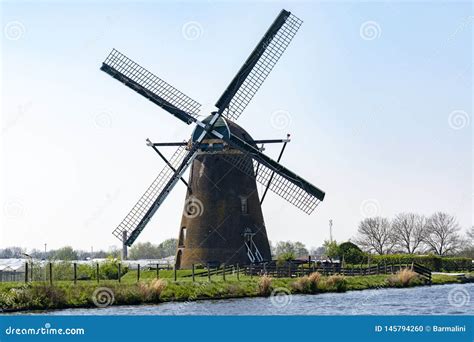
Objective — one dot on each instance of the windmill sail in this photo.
(145, 208)
(259, 65)
(231, 104)
(152, 87)
(146, 205)
(279, 179)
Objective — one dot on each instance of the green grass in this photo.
(438, 279)
(64, 294)
(367, 282)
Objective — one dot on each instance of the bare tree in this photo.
(374, 234)
(409, 231)
(470, 235)
(443, 234)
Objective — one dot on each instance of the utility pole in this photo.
(330, 230)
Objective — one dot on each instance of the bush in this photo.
(403, 278)
(109, 269)
(151, 291)
(433, 262)
(265, 285)
(302, 285)
(314, 279)
(351, 252)
(285, 257)
(336, 283)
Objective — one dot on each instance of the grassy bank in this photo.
(64, 294)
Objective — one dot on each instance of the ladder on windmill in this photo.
(252, 250)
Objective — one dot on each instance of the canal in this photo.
(434, 300)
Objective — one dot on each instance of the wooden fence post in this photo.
(208, 273)
(138, 272)
(251, 271)
(289, 270)
(157, 271)
(238, 272)
(175, 273)
(193, 273)
(50, 273)
(223, 272)
(75, 273)
(26, 272)
(119, 272)
(97, 272)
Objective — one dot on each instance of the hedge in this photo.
(433, 262)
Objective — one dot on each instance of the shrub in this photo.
(403, 278)
(151, 292)
(302, 285)
(39, 296)
(433, 262)
(336, 282)
(314, 279)
(351, 253)
(285, 257)
(265, 285)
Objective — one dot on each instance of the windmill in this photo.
(222, 220)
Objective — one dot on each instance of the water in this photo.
(435, 300)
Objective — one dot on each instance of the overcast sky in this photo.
(377, 97)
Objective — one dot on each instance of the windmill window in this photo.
(182, 237)
(243, 205)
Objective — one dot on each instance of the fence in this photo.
(51, 272)
(293, 270)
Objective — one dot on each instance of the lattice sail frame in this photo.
(152, 83)
(285, 188)
(273, 51)
(135, 216)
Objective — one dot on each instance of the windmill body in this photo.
(222, 219)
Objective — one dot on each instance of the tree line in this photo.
(412, 233)
(144, 250)
(409, 233)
